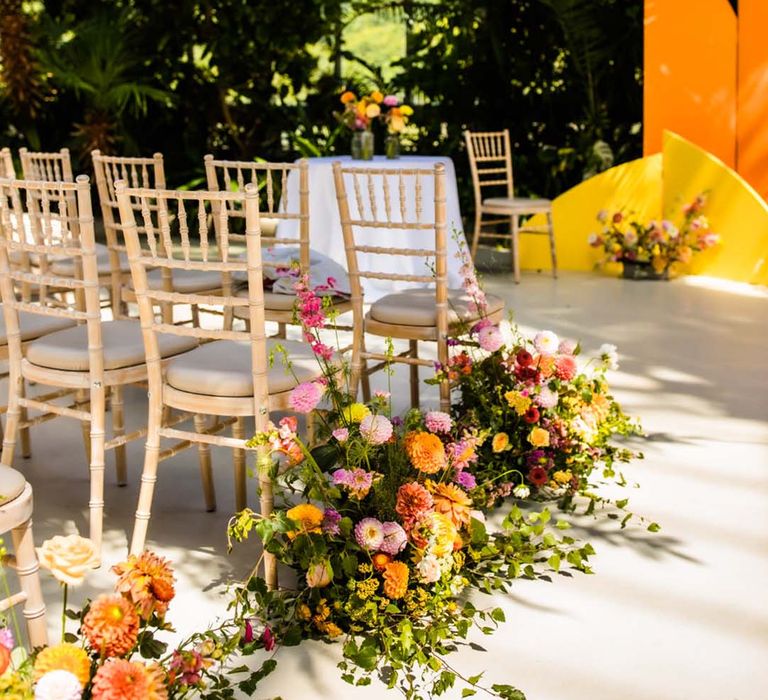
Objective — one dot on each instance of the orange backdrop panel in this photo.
(752, 106)
(690, 75)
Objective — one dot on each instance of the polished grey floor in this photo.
(679, 615)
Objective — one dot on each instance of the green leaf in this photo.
(468, 693)
(554, 562)
(498, 615)
(654, 527)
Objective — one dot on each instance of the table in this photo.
(325, 234)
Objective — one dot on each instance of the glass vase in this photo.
(392, 146)
(362, 145)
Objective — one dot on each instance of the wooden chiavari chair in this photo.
(55, 166)
(416, 313)
(228, 376)
(6, 163)
(271, 180)
(87, 358)
(490, 160)
(16, 517)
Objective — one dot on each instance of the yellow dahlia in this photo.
(395, 580)
(111, 626)
(355, 412)
(147, 581)
(426, 451)
(307, 517)
(562, 477)
(450, 500)
(119, 679)
(64, 657)
(520, 403)
(435, 532)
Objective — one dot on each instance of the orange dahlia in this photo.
(425, 450)
(395, 580)
(119, 679)
(111, 626)
(413, 500)
(307, 517)
(147, 581)
(64, 657)
(451, 501)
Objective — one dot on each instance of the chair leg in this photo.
(414, 371)
(27, 568)
(281, 330)
(118, 428)
(148, 476)
(552, 249)
(238, 456)
(96, 503)
(515, 249)
(81, 403)
(476, 236)
(266, 505)
(26, 448)
(195, 315)
(12, 420)
(206, 475)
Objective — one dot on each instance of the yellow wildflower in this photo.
(562, 477)
(355, 412)
(520, 403)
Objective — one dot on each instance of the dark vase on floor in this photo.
(639, 270)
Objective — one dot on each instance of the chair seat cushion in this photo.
(276, 302)
(416, 307)
(223, 368)
(123, 347)
(186, 281)
(34, 325)
(12, 484)
(518, 204)
(65, 267)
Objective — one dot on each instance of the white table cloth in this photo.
(325, 225)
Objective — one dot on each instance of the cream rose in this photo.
(68, 558)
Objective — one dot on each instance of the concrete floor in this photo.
(679, 615)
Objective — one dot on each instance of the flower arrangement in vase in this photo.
(380, 524)
(649, 250)
(395, 117)
(359, 115)
(115, 652)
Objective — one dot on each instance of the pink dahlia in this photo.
(546, 398)
(394, 538)
(341, 434)
(438, 422)
(565, 367)
(376, 428)
(567, 347)
(305, 397)
(546, 342)
(369, 534)
(490, 339)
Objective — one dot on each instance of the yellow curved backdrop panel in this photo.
(735, 211)
(633, 186)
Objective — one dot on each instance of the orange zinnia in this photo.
(451, 501)
(426, 451)
(147, 581)
(307, 517)
(395, 580)
(119, 679)
(111, 626)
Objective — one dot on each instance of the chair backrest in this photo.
(6, 163)
(51, 167)
(393, 199)
(49, 221)
(490, 161)
(271, 181)
(194, 211)
(147, 173)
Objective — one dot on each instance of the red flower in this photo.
(538, 476)
(269, 639)
(565, 367)
(524, 358)
(532, 415)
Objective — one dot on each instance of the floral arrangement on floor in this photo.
(115, 653)
(660, 244)
(380, 525)
(546, 422)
